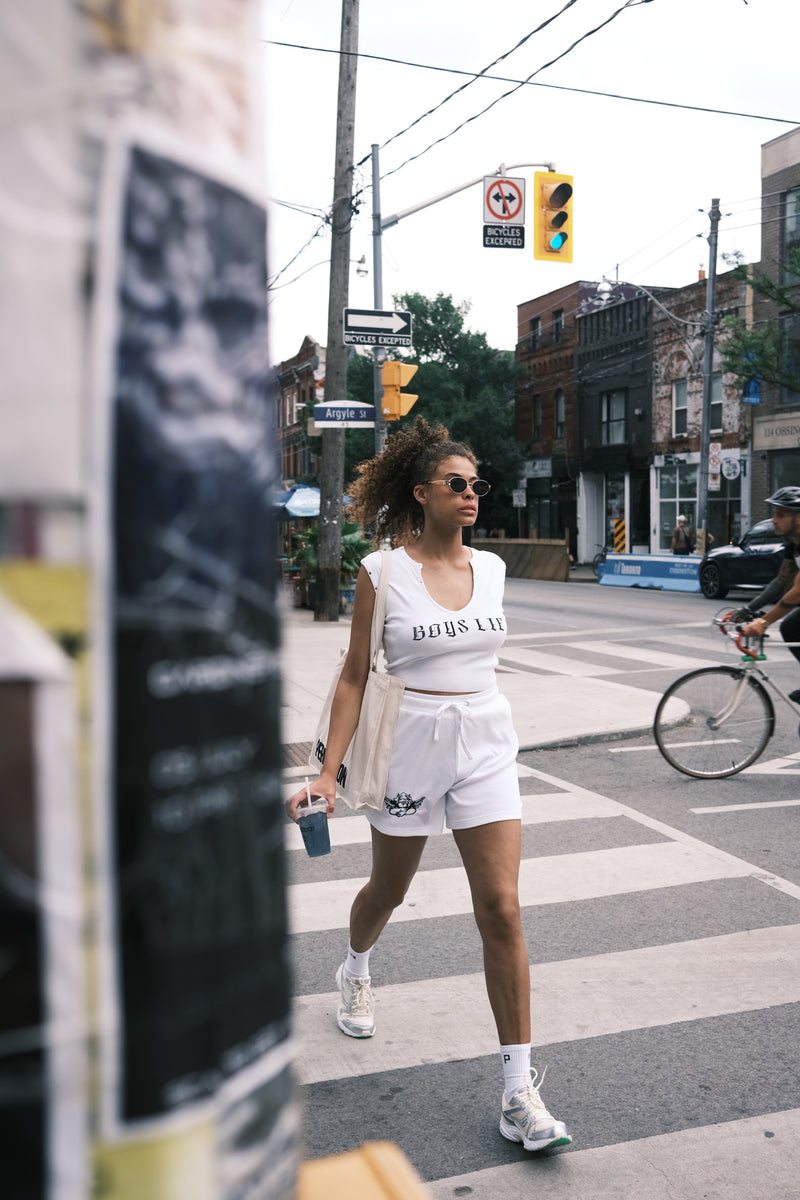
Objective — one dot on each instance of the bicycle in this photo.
(716, 721)
(600, 557)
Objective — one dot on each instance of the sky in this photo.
(644, 173)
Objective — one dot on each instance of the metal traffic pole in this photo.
(377, 294)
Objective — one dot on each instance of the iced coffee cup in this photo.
(312, 817)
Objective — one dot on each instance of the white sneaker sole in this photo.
(546, 1142)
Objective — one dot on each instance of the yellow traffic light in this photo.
(394, 376)
(552, 217)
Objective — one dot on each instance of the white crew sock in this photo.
(357, 963)
(516, 1067)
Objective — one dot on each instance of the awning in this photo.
(302, 501)
(299, 502)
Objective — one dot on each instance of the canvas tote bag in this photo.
(361, 779)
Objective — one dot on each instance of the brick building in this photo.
(610, 412)
(776, 424)
(678, 354)
(545, 408)
(301, 383)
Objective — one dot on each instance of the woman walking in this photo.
(454, 754)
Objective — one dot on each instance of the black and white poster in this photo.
(195, 834)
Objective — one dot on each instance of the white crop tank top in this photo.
(433, 648)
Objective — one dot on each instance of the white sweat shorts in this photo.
(454, 760)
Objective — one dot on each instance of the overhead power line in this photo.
(402, 62)
(481, 74)
(517, 85)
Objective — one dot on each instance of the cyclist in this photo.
(784, 591)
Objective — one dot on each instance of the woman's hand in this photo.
(317, 787)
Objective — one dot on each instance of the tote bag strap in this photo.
(379, 611)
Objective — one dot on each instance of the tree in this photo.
(464, 384)
(766, 352)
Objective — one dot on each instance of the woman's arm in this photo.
(346, 705)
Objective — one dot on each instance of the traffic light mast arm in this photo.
(387, 222)
(380, 223)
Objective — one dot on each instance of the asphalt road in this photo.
(662, 916)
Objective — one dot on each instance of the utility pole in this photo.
(708, 375)
(331, 476)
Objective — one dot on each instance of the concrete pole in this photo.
(708, 375)
(331, 476)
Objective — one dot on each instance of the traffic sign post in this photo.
(373, 327)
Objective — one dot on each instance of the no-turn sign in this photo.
(503, 200)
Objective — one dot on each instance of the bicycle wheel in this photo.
(598, 558)
(713, 722)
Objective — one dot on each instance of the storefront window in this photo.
(678, 494)
(784, 471)
(723, 511)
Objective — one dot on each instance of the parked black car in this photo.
(752, 562)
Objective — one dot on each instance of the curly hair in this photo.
(383, 495)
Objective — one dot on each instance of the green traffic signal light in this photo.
(552, 217)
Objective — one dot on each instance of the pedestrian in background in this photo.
(682, 540)
(455, 749)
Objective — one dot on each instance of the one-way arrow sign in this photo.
(372, 327)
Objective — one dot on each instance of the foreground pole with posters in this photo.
(145, 1026)
(194, 1065)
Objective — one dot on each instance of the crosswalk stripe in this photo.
(540, 660)
(552, 880)
(733, 1159)
(756, 807)
(536, 810)
(775, 881)
(578, 998)
(642, 654)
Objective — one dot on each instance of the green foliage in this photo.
(354, 547)
(359, 444)
(464, 384)
(763, 352)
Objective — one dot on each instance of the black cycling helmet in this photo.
(786, 497)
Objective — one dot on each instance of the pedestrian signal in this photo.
(394, 376)
(552, 217)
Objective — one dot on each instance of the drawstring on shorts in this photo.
(460, 708)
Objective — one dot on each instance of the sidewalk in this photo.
(548, 710)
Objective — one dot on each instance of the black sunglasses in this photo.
(458, 484)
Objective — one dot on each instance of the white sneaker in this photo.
(525, 1119)
(356, 1013)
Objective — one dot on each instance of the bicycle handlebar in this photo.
(724, 625)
